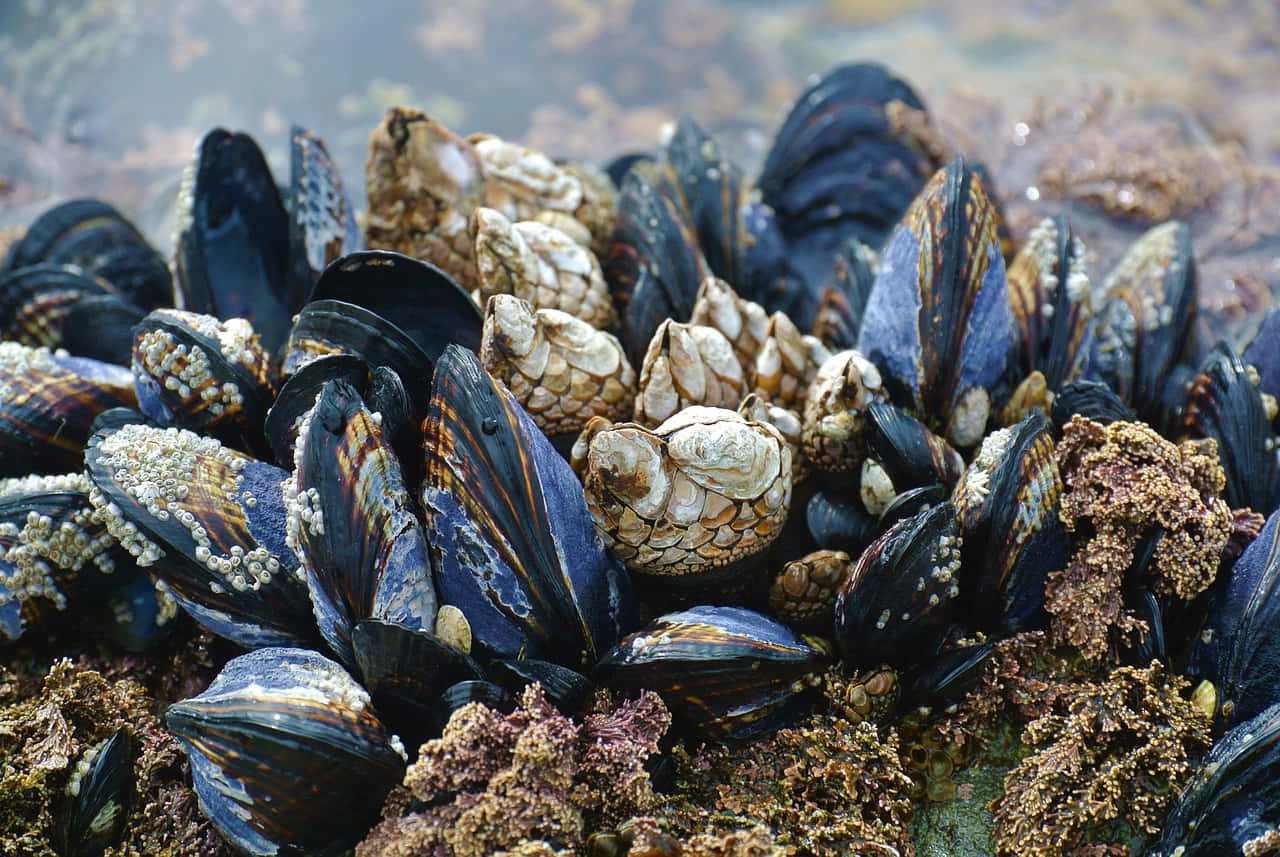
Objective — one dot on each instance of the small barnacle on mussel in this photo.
(1053, 316)
(742, 322)
(48, 402)
(560, 369)
(352, 524)
(539, 264)
(1226, 405)
(654, 267)
(1239, 648)
(685, 365)
(689, 500)
(1145, 323)
(287, 753)
(847, 161)
(726, 672)
(512, 544)
(210, 376)
(1232, 805)
(95, 238)
(1008, 501)
(59, 306)
(938, 322)
(53, 551)
(902, 454)
(207, 521)
(897, 603)
(832, 433)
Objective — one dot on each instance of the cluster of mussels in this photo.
(567, 426)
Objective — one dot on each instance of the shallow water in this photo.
(107, 97)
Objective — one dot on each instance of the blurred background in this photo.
(1130, 113)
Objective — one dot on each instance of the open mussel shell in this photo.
(725, 672)
(654, 265)
(568, 689)
(1145, 323)
(1090, 399)
(417, 297)
(513, 546)
(1232, 805)
(1008, 506)
(95, 815)
(1226, 405)
(897, 603)
(352, 523)
(938, 322)
(232, 253)
(322, 222)
(298, 394)
(54, 554)
(406, 670)
(196, 372)
(847, 161)
(208, 521)
(95, 237)
(48, 402)
(1239, 648)
(286, 751)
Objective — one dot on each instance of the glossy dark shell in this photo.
(512, 543)
(48, 404)
(725, 672)
(1091, 399)
(568, 689)
(839, 522)
(322, 223)
(96, 815)
(96, 238)
(1239, 648)
(838, 168)
(655, 266)
(910, 454)
(41, 305)
(1145, 325)
(1225, 405)
(1234, 797)
(1263, 352)
(897, 603)
(298, 395)
(285, 750)
(232, 254)
(209, 521)
(352, 522)
(844, 299)
(1008, 506)
(938, 322)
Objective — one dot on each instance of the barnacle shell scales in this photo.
(703, 490)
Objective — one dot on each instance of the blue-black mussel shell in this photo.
(512, 543)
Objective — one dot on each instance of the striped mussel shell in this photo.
(560, 369)
(424, 183)
(1145, 322)
(48, 402)
(654, 267)
(98, 240)
(207, 521)
(897, 603)
(845, 298)
(1225, 403)
(542, 265)
(938, 321)
(725, 672)
(1232, 804)
(1093, 400)
(742, 322)
(196, 372)
(687, 365)
(1238, 648)
(1053, 314)
(512, 544)
(804, 593)
(902, 454)
(834, 418)
(689, 500)
(352, 524)
(62, 306)
(287, 754)
(101, 794)
(54, 551)
(1007, 502)
(786, 363)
